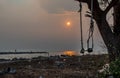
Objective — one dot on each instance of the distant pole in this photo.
(15, 50)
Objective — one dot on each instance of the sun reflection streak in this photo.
(70, 53)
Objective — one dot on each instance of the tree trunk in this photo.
(117, 27)
(110, 37)
(106, 34)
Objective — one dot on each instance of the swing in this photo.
(91, 29)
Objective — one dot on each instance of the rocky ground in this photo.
(56, 67)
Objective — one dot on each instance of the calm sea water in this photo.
(10, 56)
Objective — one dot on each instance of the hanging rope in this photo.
(91, 30)
(81, 31)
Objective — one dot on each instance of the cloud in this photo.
(58, 6)
(31, 24)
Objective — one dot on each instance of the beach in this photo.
(55, 67)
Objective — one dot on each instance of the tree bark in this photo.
(107, 35)
(117, 26)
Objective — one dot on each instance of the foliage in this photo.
(104, 72)
(113, 69)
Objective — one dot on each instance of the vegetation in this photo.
(115, 68)
(112, 70)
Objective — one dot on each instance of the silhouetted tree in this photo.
(111, 37)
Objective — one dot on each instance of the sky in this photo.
(40, 25)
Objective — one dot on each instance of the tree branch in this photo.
(112, 3)
(96, 7)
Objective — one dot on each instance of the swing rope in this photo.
(82, 46)
(91, 30)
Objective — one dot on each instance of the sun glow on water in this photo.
(70, 53)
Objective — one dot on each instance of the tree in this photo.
(110, 37)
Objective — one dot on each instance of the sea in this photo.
(11, 56)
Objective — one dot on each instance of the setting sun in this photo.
(68, 23)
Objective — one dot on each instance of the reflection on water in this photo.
(70, 53)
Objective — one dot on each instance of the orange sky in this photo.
(41, 25)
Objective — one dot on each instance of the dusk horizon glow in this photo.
(42, 25)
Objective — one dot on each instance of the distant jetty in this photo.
(3, 53)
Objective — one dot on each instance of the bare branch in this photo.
(112, 3)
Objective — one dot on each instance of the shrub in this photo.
(113, 69)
